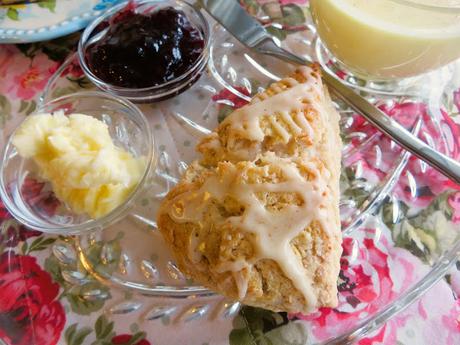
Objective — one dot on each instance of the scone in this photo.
(288, 117)
(257, 218)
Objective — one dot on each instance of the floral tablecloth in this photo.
(40, 306)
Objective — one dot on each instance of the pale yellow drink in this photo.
(389, 39)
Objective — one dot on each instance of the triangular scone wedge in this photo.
(262, 224)
(287, 118)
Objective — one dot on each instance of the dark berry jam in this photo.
(143, 50)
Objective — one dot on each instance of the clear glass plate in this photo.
(398, 215)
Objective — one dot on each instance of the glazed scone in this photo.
(261, 224)
(286, 118)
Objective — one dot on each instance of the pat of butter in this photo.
(77, 155)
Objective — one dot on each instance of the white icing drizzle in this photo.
(194, 254)
(280, 129)
(245, 122)
(241, 283)
(274, 230)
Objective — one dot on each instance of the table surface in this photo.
(34, 295)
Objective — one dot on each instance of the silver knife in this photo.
(249, 32)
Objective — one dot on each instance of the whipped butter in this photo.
(76, 154)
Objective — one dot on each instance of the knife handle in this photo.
(439, 161)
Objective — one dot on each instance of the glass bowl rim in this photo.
(184, 78)
(116, 213)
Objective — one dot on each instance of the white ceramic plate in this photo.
(48, 19)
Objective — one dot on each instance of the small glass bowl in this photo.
(31, 201)
(153, 93)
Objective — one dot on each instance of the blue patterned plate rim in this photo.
(46, 32)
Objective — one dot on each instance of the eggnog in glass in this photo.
(389, 39)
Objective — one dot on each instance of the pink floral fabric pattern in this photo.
(372, 274)
(371, 283)
(429, 180)
(29, 310)
(42, 304)
(24, 78)
(457, 99)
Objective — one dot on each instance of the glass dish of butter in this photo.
(92, 152)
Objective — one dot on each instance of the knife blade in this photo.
(244, 27)
(250, 33)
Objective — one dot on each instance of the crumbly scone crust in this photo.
(203, 249)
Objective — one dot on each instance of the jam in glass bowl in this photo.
(146, 50)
